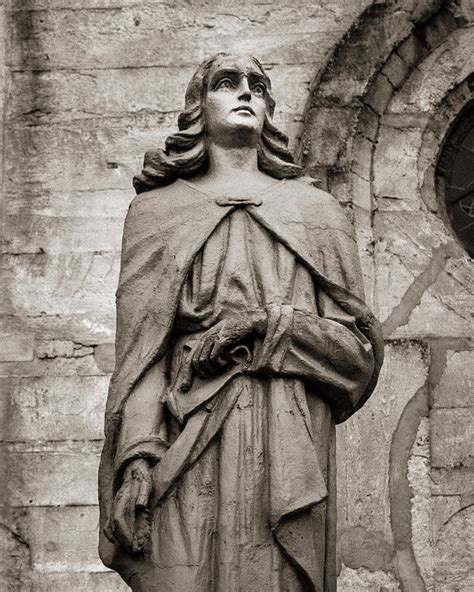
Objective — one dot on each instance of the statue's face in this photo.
(235, 99)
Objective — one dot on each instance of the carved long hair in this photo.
(185, 152)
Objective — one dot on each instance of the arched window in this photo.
(455, 177)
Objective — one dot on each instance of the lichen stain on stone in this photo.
(360, 547)
(364, 580)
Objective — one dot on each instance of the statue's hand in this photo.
(130, 506)
(209, 355)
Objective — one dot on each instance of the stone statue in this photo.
(242, 338)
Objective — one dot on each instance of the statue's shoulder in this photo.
(161, 202)
(303, 194)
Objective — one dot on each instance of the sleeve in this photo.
(143, 431)
(328, 352)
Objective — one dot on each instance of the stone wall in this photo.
(367, 93)
(382, 109)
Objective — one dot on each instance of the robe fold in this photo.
(244, 480)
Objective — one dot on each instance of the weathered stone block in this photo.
(79, 582)
(363, 50)
(338, 184)
(16, 347)
(363, 493)
(456, 385)
(443, 508)
(363, 150)
(39, 5)
(110, 203)
(439, 28)
(57, 408)
(96, 38)
(65, 96)
(364, 548)
(83, 366)
(379, 94)
(64, 283)
(435, 310)
(341, 91)
(330, 130)
(55, 158)
(364, 580)
(362, 193)
(89, 328)
(421, 506)
(406, 121)
(423, 281)
(395, 69)
(454, 552)
(64, 222)
(54, 348)
(56, 235)
(443, 69)
(412, 50)
(59, 96)
(364, 237)
(395, 182)
(63, 539)
(57, 348)
(452, 438)
(52, 474)
(457, 481)
(16, 560)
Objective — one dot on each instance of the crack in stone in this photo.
(400, 315)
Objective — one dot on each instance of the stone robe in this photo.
(244, 484)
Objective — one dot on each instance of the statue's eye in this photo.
(225, 83)
(258, 89)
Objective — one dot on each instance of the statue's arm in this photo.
(143, 430)
(141, 443)
(327, 352)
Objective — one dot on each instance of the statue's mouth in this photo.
(245, 108)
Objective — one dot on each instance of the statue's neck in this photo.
(223, 159)
(233, 171)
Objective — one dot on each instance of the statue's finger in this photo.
(217, 354)
(134, 492)
(206, 364)
(186, 373)
(186, 377)
(199, 357)
(143, 495)
(121, 521)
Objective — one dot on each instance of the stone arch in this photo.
(350, 100)
(374, 127)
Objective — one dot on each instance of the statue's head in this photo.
(228, 101)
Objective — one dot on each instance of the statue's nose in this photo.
(244, 90)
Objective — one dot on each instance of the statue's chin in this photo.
(240, 132)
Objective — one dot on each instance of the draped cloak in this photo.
(165, 237)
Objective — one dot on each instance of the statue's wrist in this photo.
(142, 465)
